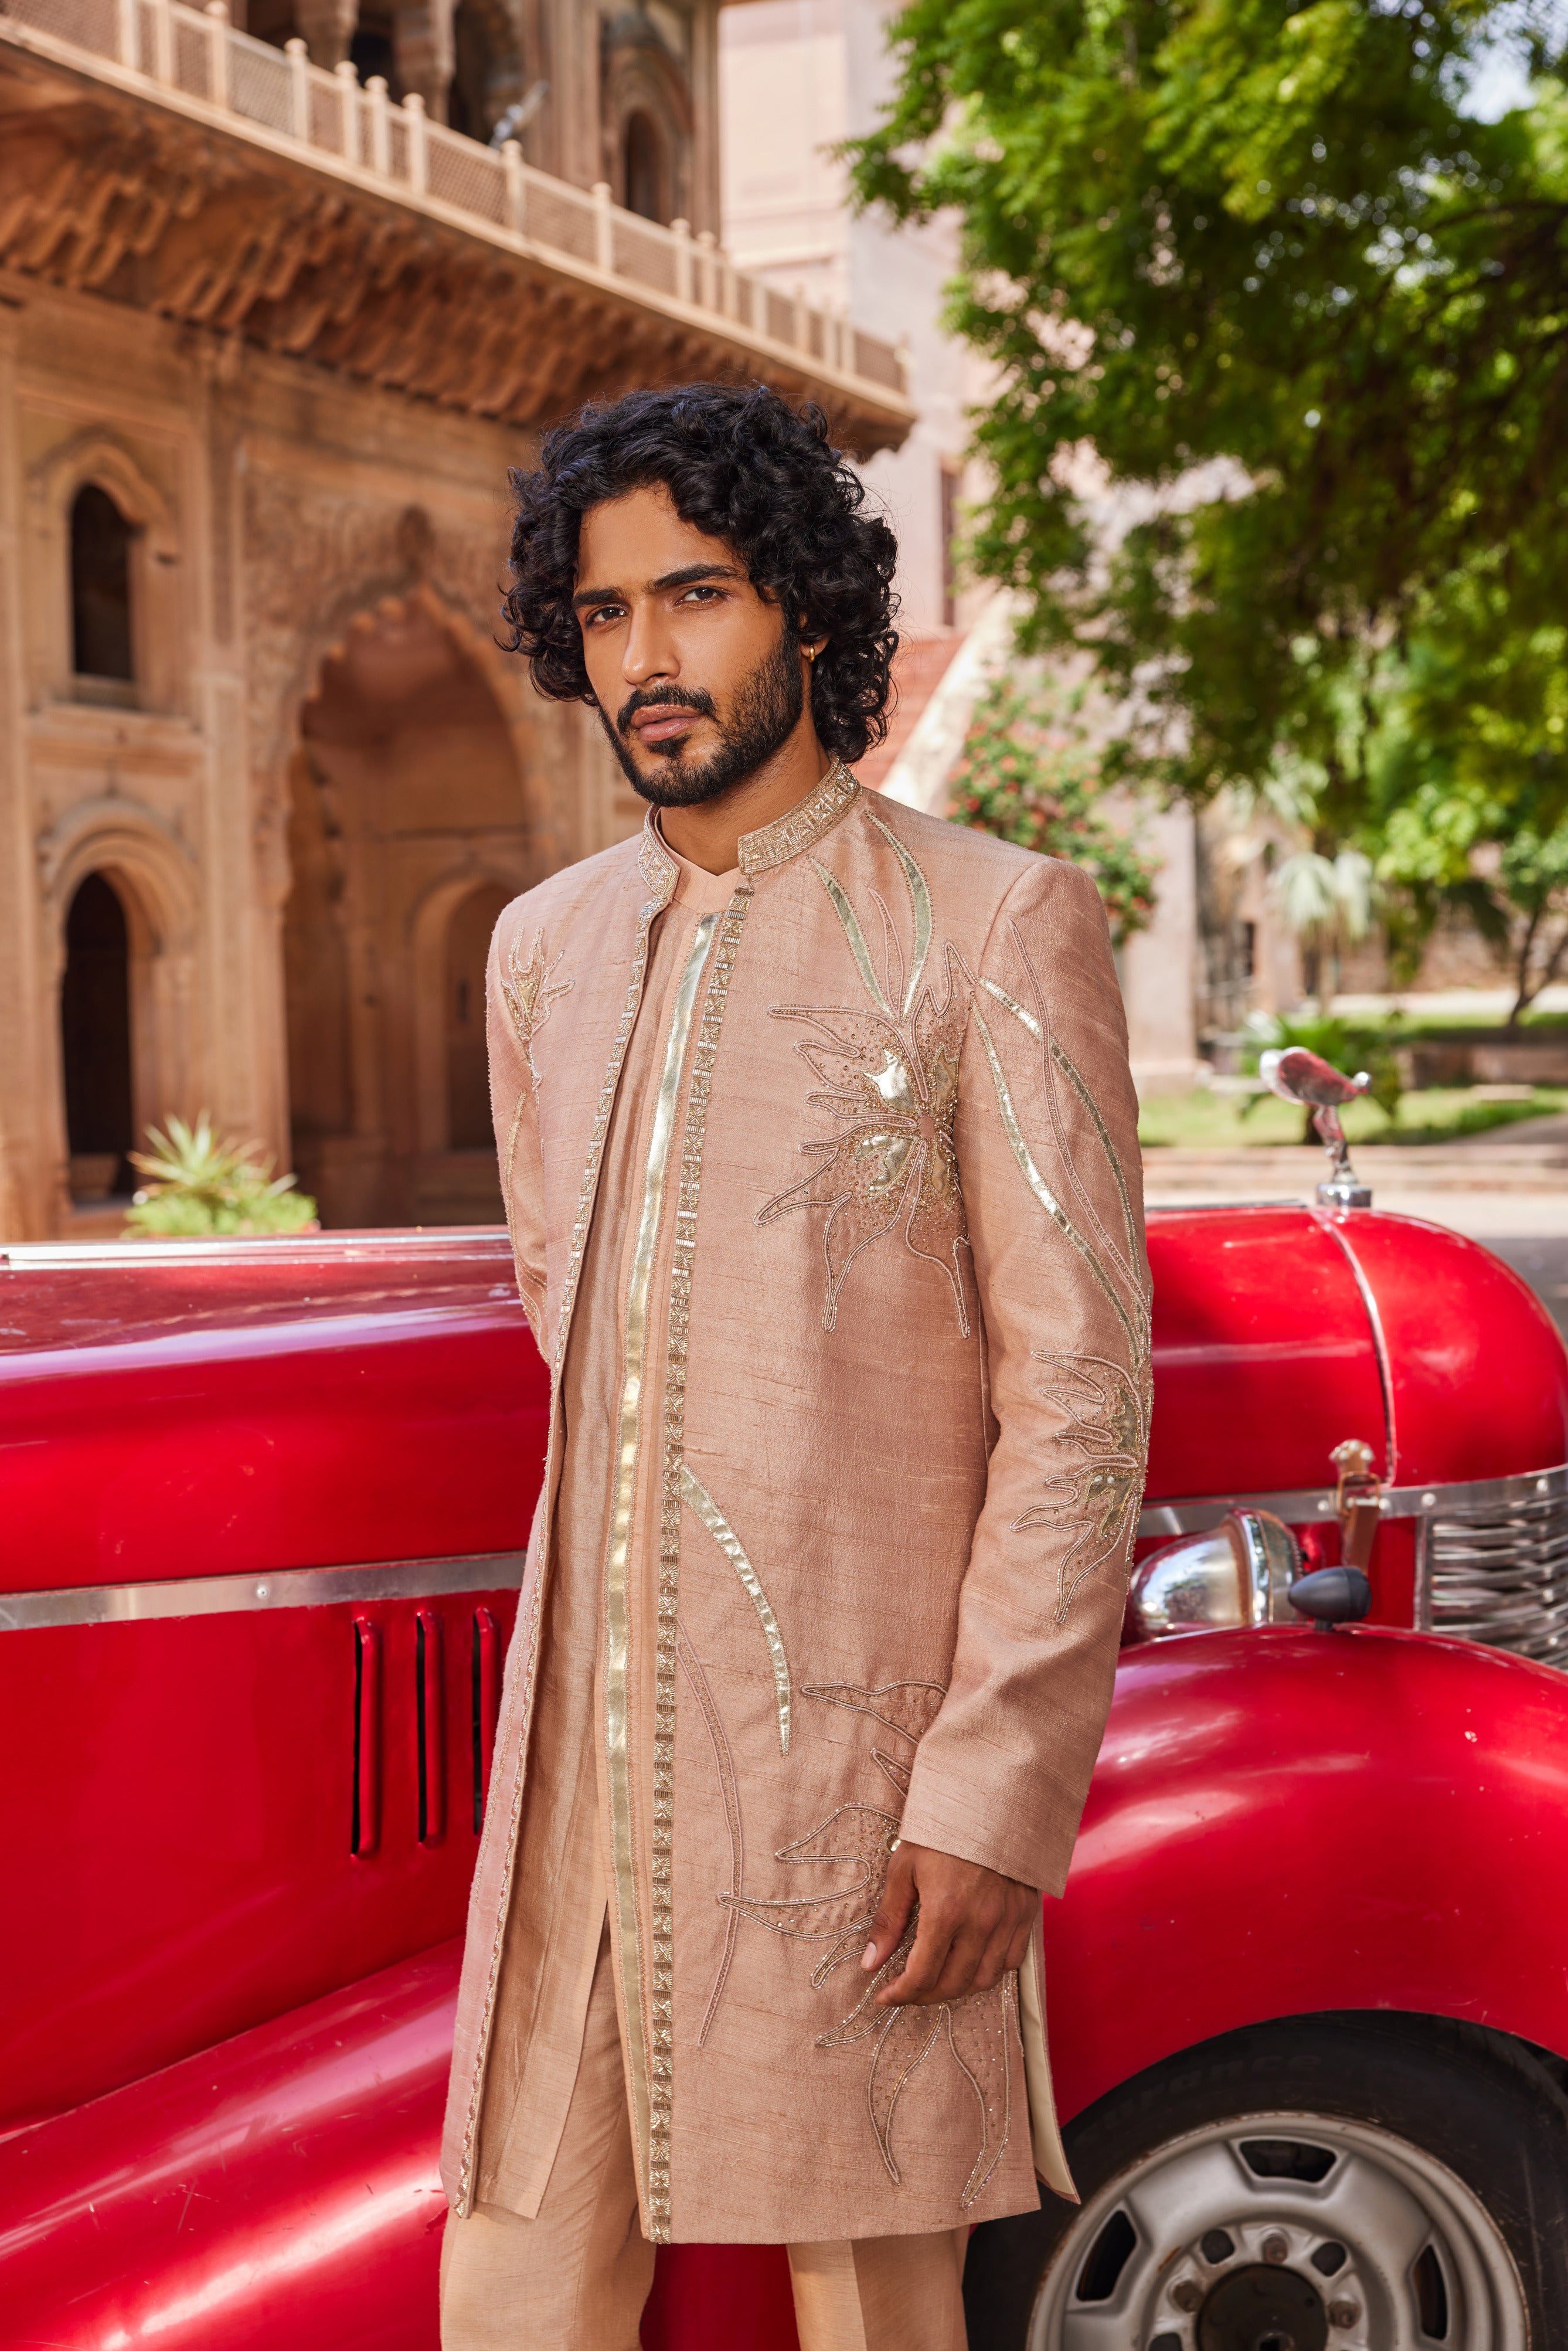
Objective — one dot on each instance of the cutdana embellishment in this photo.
(820, 810)
(661, 2060)
(730, 1542)
(1103, 1405)
(527, 993)
(890, 1081)
(976, 2031)
(522, 1695)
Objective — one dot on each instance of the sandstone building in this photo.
(275, 318)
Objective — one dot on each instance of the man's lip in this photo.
(657, 722)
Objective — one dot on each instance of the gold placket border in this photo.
(662, 880)
(617, 1568)
(661, 2083)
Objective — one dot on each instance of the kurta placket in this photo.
(604, 1574)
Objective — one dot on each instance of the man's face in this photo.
(699, 682)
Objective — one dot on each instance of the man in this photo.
(819, 1150)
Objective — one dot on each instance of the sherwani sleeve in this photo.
(509, 1012)
(1046, 1136)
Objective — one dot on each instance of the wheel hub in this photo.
(1263, 2308)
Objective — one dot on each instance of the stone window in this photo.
(101, 588)
(95, 1041)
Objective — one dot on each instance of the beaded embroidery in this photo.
(527, 993)
(976, 2030)
(891, 1080)
(1103, 1405)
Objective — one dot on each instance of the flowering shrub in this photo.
(1026, 776)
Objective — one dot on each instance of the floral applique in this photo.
(890, 1081)
(1104, 1405)
(527, 993)
(977, 2030)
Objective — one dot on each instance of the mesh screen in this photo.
(326, 117)
(193, 54)
(558, 216)
(258, 82)
(779, 319)
(877, 361)
(397, 147)
(645, 254)
(459, 171)
(90, 23)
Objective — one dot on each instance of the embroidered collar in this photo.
(773, 844)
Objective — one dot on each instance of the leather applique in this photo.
(890, 1081)
(527, 993)
(977, 2030)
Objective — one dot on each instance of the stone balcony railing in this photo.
(280, 99)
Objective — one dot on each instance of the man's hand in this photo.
(974, 1926)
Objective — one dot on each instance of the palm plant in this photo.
(203, 1185)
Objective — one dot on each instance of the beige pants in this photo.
(576, 2278)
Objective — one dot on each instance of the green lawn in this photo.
(1206, 1121)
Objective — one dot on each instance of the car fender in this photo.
(1283, 1821)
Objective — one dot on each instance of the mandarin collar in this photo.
(773, 844)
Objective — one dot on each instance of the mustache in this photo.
(648, 697)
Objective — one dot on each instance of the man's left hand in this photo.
(974, 1926)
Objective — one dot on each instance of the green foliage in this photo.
(203, 1186)
(1027, 775)
(1281, 338)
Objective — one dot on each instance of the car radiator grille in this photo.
(1497, 1571)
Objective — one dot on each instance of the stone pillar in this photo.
(1160, 965)
(327, 28)
(33, 1195)
(424, 53)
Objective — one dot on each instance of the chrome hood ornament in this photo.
(1298, 1076)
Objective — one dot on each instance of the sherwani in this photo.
(822, 1183)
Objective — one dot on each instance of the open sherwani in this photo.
(822, 1179)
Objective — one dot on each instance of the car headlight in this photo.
(1238, 1573)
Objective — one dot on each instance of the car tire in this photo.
(1327, 2183)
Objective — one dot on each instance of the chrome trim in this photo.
(234, 1596)
(480, 1242)
(1307, 1504)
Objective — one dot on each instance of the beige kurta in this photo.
(822, 1185)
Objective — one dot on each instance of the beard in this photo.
(766, 711)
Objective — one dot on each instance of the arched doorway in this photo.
(95, 1041)
(406, 777)
(643, 166)
(468, 1127)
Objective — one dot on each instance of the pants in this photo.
(576, 2278)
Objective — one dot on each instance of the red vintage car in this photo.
(264, 1510)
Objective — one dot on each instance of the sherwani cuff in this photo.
(975, 1823)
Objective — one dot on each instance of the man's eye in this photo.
(602, 612)
(701, 595)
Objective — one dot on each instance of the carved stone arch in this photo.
(98, 456)
(158, 883)
(642, 77)
(429, 929)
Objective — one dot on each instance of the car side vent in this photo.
(487, 1676)
(1497, 1571)
(365, 1825)
(429, 1725)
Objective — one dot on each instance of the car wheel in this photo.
(1325, 2184)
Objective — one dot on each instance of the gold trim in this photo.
(662, 1994)
(657, 867)
(803, 825)
(730, 1542)
(618, 1627)
(522, 1693)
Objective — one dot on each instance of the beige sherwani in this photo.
(822, 1180)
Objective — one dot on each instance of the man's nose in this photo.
(649, 651)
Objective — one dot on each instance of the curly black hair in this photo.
(744, 467)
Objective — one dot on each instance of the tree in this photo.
(1028, 775)
(1281, 334)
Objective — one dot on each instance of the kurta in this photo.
(822, 1185)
